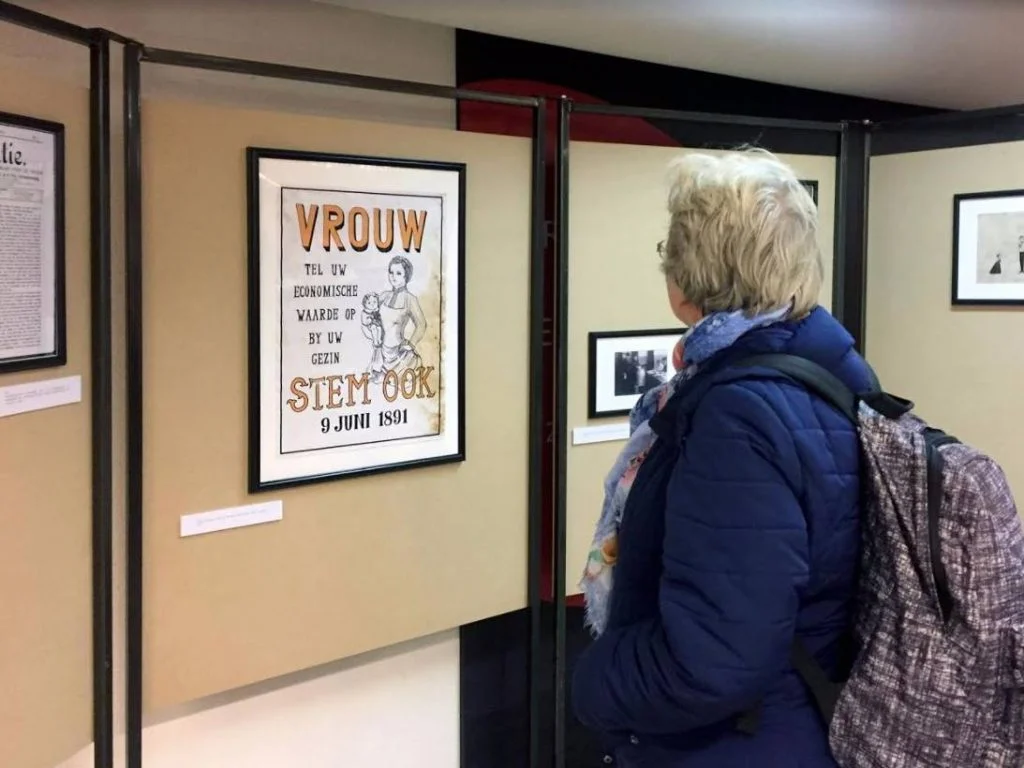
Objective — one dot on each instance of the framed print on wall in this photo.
(623, 365)
(988, 248)
(355, 315)
(33, 327)
(812, 187)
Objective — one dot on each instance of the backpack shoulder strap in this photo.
(828, 386)
(811, 375)
(816, 378)
(824, 690)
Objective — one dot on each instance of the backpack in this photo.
(938, 676)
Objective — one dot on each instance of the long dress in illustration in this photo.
(997, 268)
(397, 352)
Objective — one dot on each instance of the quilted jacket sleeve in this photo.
(735, 560)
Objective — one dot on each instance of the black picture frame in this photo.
(811, 186)
(594, 339)
(254, 155)
(59, 356)
(956, 289)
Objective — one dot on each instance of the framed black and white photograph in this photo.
(32, 304)
(988, 248)
(812, 187)
(355, 315)
(623, 365)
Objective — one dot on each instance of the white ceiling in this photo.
(946, 53)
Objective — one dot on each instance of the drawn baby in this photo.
(373, 327)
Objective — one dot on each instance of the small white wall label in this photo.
(605, 433)
(232, 517)
(37, 395)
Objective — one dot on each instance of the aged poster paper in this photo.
(364, 260)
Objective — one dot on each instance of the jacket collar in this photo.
(672, 422)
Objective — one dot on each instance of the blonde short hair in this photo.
(743, 234)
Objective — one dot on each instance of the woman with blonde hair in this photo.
(730, 526)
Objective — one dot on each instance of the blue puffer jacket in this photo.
(741, 530)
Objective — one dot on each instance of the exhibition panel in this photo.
(945, 286)
(45, 562)
(617, 307)
(366, 251)
(55, 398)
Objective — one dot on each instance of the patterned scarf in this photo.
(703, 341)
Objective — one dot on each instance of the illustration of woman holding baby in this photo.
(387, 318)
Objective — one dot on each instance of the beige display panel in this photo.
(959, 365)
(356, 564)
(617, 215)
(46, 496)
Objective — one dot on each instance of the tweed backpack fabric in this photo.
(938, 678)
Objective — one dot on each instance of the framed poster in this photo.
(355, 315)
(988, 248)
(812, 189)
(623, 365)
(32, 309)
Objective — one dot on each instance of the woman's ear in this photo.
(677, 355)
(686, 312)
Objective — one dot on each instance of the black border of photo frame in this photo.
(811, 185)
(955, 298)
(59, 355)
(594, 338)
(253, 157)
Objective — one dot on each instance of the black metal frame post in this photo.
(948, 130)
(707, 118)
(134, 55)
(561, 453)
(102, 412)
(46, 25)
(101, 388)
(536, 440)
(713, 131)
(849, 276)
(131, 75)
(826, 134)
